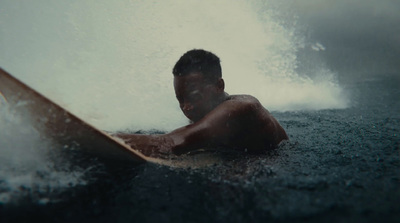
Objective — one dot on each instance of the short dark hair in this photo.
(198, 60)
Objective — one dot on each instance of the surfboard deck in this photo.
(68, 130)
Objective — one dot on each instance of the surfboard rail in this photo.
(60, 125)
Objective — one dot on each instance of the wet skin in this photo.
(217, 119)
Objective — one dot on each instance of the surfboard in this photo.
(61, 126)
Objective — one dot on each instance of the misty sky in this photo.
(359, 35)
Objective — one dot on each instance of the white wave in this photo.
(110, 61)
(26, 168)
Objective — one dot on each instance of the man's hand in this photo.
(150, 145)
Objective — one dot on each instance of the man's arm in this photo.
(217, 127)
(241, 122)
(214, 128)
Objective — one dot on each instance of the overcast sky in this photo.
(359, 35)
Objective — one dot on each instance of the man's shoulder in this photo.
(242, 104)
(244, 99)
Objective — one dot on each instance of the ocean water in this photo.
(339, 165)
(110, 64)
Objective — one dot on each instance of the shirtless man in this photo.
(217, 119)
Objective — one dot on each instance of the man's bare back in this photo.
(218, 119)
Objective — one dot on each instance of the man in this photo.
(217, 119)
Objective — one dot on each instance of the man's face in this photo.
(196, 95)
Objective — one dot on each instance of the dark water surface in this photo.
(339, 166)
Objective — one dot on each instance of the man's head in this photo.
(198, 83)
(198, 61)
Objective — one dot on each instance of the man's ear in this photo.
(221, 84)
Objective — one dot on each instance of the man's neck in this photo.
(221, 98)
